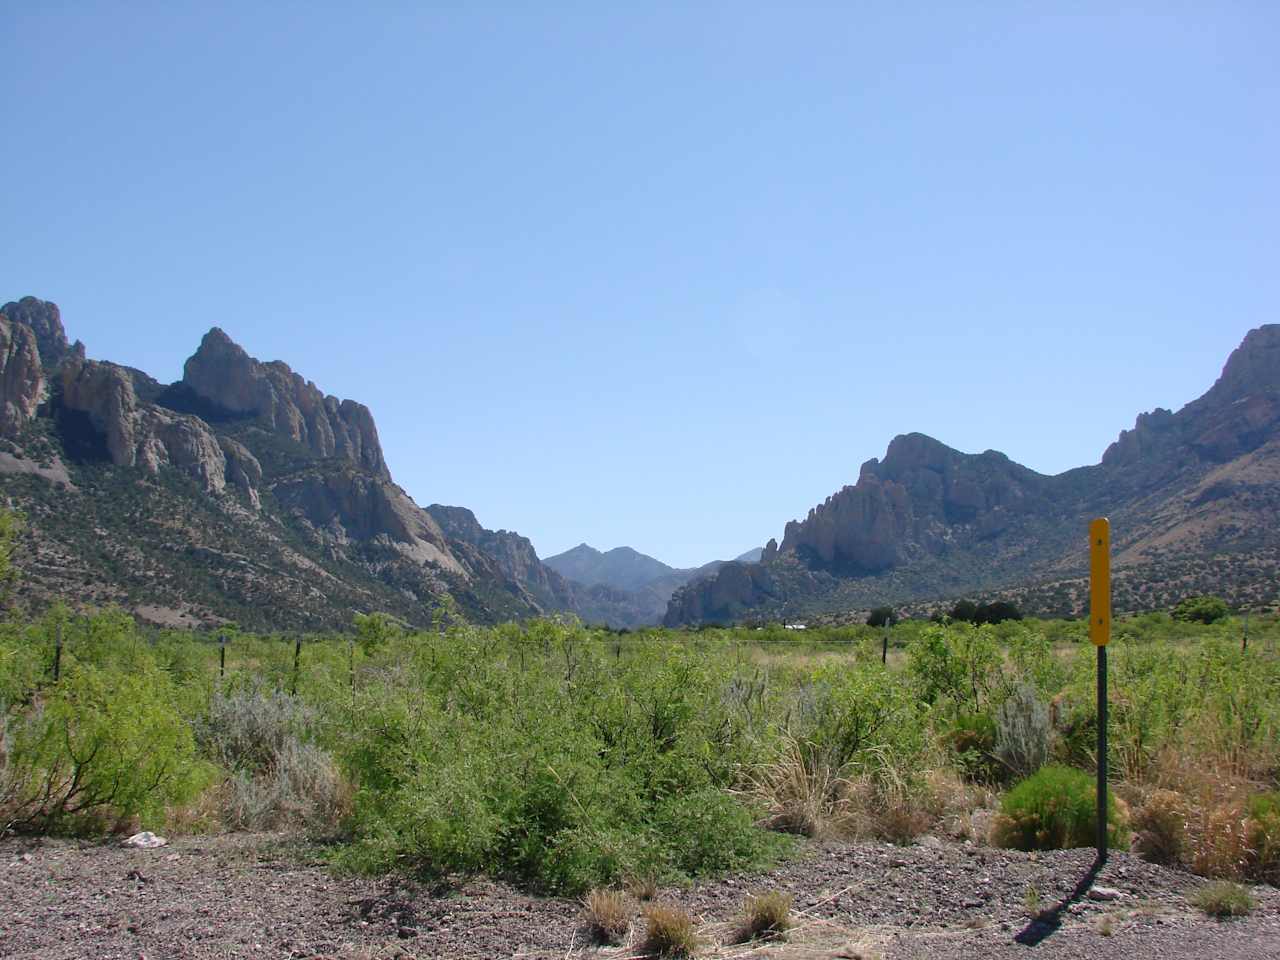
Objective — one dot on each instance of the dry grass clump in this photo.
(766, 916)
(1160, 827)
(898, 802)
(607, 915)
(643, 886)
(668, 932)
(799, 791)
(1195, 817)
(1224, 899)
(1262, 831)
(1219, 847)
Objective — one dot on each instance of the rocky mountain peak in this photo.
(45, 321)
(1237, 415)
(1253, 367)
(222, 373)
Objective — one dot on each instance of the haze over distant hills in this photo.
(1193, 497)
(622, 568)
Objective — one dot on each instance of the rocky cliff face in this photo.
(22, 383)
(326, 532)
(1235, 417)
(44, 320)
(348, 505)
(928, 519)
(138, 434)
(222, 373)
(510, 554)
(914, 504)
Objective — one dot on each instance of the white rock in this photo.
(1104, 893)
(145, 840)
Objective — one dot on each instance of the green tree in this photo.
(1201, 610)
(10, 526)
(997, 611)
(882, 617)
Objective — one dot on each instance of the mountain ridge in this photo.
(650, 581)
(240, 492)
(930, 520)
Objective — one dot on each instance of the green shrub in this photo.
(102, 745)
(562, 770)
(1055, 809)
(882, 617)
(854, 716)
(972, 739)
(1224, 899)
(955, 665)
(1202, 610)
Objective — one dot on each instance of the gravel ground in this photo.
(256, 896)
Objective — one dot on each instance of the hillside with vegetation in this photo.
(1192, 497)
(240, 494)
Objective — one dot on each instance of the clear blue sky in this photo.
(659, 274)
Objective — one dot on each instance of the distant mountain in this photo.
(621, 567)
(240, 493)
(751, 556)
(1193, 498)
(649, 582)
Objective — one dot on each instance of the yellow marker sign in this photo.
(1100, 582)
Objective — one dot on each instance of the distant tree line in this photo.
(969, 611)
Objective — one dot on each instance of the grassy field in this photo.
(567, 758)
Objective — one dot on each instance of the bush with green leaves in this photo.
(1055, 809)
(1202, 610)
(546, 762)
(850, 715)
(957, 666)
(882, 617)
(103, 745)
(972, 742)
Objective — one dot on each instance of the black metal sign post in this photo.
(222, 656)
(1100, 634)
